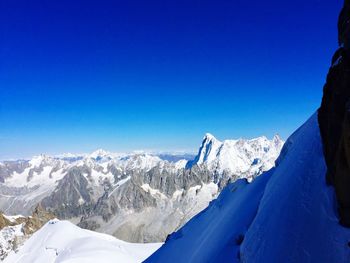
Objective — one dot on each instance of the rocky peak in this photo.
(209, 137)
(277, 138)
(208, 149)
(39, 217)
(4, 221)
(40, 213)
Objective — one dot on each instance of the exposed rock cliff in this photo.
(334, 118)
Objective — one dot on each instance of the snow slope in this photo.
(61, 241)
(286, 215)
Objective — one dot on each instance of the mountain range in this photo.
(136, 197)
(295, 208)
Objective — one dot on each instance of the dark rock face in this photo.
(334, 118)
(73, 196)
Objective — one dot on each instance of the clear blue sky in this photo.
(157, 75)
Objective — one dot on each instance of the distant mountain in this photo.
(136, 197)
(244, 158)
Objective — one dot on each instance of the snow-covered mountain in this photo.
(62, 241)
(245, 158)
(136, 197)
(286, 215)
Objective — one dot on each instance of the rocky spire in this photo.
(334, 118)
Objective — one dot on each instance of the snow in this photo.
(306, 228)
(38, 173)
(13, 219)
(61, 241)
(209, 235)
(154, 192)
(139, 161)
(210, 148)
(181, 164)
(234, 155)
(287, 214)
(239, 156)
(102, 155)
(69, 155)
(37, 160)
(8, 236)
(119, 184)
(99, 177)
(177, 194)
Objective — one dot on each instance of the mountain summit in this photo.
(244, 157)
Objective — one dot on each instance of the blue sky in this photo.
(157, 75)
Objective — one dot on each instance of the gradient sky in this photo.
(157, 75)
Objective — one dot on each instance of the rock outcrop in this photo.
(334, 118)
(15, 230)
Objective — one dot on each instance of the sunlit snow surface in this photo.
(63, 242)
(286, 215)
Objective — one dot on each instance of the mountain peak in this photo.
(277, 138)
(209, 137)
(237, 155)
(38, 159)
(99, 153)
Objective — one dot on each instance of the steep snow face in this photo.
(306, 228)
(61, 241)
(286, 215)
(245, 158)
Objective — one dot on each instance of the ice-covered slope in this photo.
(61, 241)
(286, 215)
